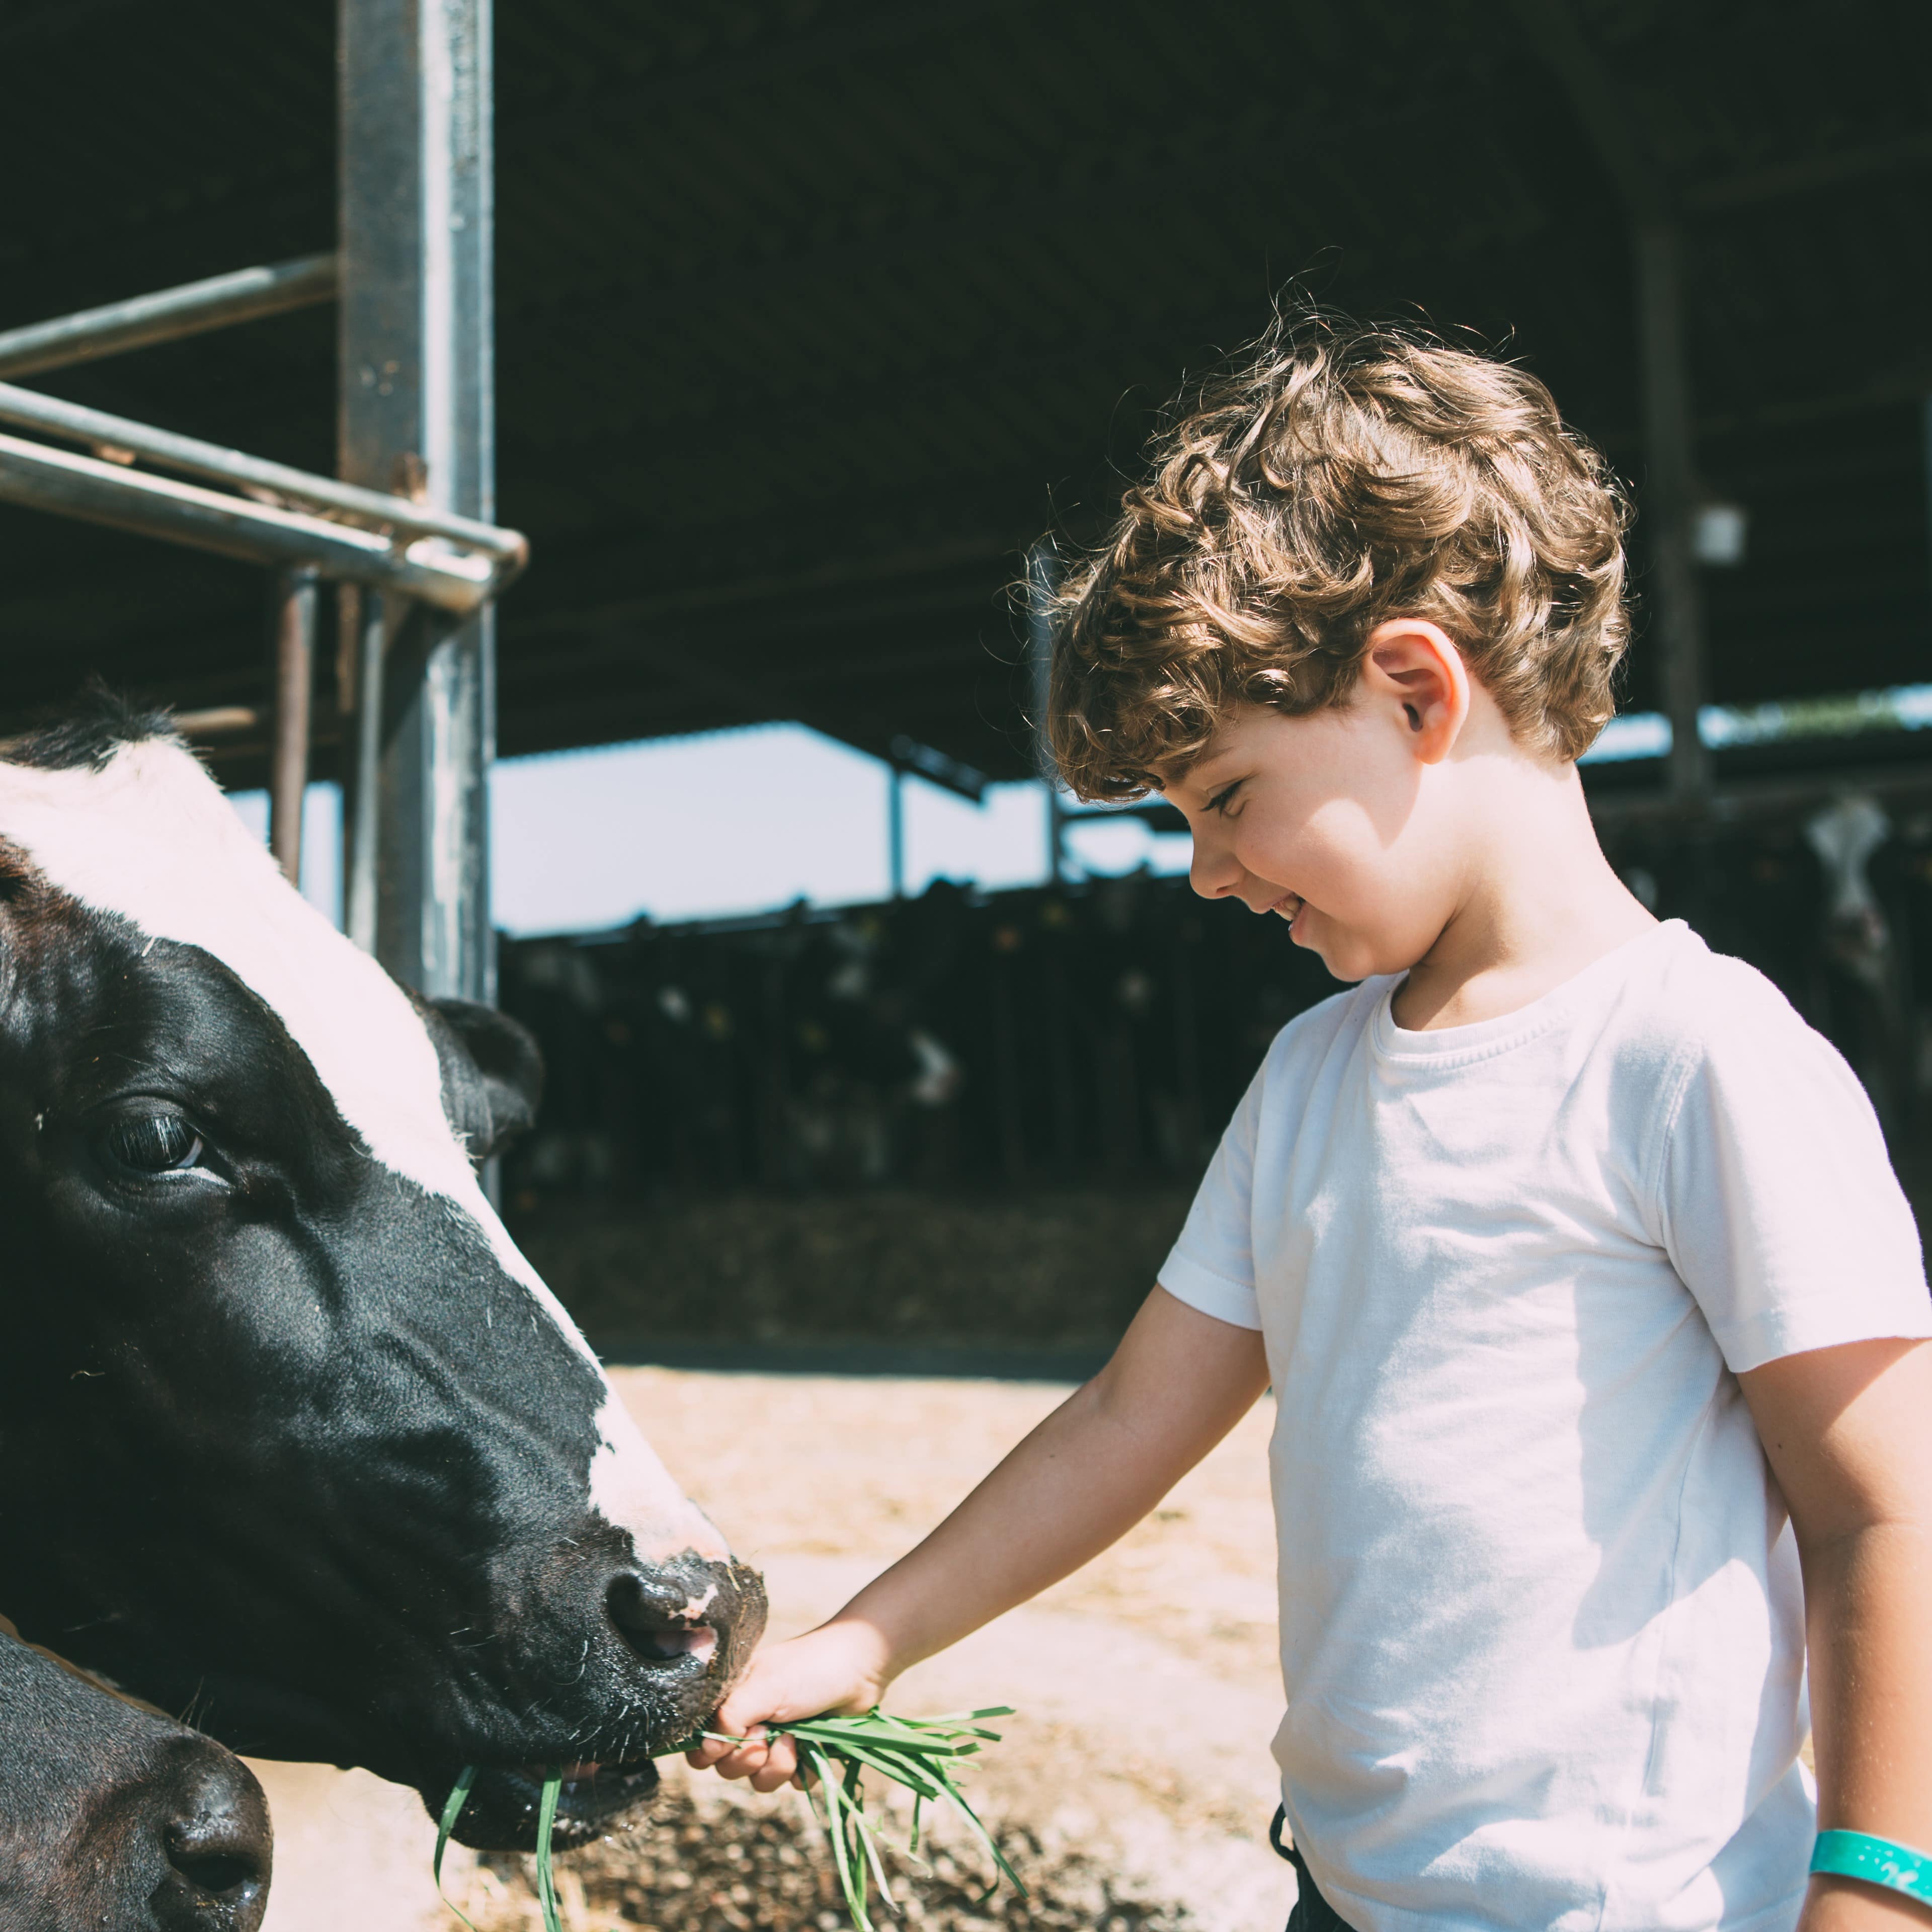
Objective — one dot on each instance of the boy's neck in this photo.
(1540, 902)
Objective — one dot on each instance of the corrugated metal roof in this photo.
(812, 312)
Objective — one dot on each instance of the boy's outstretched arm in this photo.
(1849, 1433)
(1178, 1382)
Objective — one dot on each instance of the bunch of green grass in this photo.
(835, 1752)
(917, 1753)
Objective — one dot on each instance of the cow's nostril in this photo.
(658, 1633)
(218, 1847)
(214, 1871)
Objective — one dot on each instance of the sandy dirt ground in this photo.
(1135, 1780)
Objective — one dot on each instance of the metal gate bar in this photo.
(84, 486)
(27, 408)
(292, 670)
(241, 296)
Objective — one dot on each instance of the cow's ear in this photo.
(494, 1097)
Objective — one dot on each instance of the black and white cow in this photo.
(114, 1817)
(290, 1432)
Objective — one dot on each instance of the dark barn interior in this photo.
(813, 315)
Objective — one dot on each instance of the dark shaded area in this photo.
(1035, 1285)
(813, 312)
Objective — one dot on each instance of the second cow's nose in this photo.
(218, 1846)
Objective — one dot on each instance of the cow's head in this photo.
(290, 1432)
(114, 1816)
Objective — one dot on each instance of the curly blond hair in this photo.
(1341, 475)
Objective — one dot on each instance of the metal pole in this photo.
(169, 313)
(1041, 573)
(416, 382)
(367, 619)
(1670, 498)
(293, 627)
(895, 829)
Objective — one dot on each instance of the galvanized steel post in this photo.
(1041, 574)
(292, 672)
(417, 418)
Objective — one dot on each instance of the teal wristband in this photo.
(1876, 1861)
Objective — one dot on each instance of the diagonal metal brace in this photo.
(190, 310)
(341, 532)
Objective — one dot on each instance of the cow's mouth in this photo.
(595, 1799)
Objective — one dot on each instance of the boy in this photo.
(1573, 1256)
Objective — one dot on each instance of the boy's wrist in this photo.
(866, 1651)
(878, 1650)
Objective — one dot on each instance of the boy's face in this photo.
(1339, 821)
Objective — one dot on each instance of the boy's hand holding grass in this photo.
(1178, 1382)
(840, 1667)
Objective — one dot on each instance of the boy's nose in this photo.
(1213, 874)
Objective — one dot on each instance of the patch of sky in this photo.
(727, 823)
(685, 828)
(1646, 734)
(733, 822)
(1906, 707)
(1106, 847)
(1636, 734)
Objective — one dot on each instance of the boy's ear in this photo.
(1412, 666)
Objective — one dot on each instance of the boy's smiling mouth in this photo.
(1288, 905)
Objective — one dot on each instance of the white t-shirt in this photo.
(1542, 1630)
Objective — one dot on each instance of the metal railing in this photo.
(303, 527)
(242, 296)
(288, 518)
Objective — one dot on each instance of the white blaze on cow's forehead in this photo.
(152, 838)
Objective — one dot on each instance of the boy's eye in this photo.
(1218, 801)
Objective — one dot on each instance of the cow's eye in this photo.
(154, 1143)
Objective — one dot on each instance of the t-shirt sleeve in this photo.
(1780, 1208)
(1212, 1266)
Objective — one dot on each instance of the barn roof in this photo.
(813, 312)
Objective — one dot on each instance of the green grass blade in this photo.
(828, 1785)
(546, 1875)
(870, 1839)
(459, 1796)
(910, 1772)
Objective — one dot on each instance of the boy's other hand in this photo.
(839, 1666)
